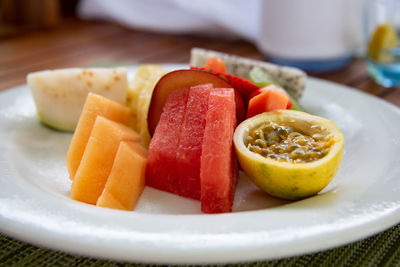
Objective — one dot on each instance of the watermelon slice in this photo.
(191, 140)
(218, 169)
(162, 169)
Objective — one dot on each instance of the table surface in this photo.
(78, 43)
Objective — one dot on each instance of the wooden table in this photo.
(77, 43)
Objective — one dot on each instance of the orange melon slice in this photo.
(127, 178)
(95, 105)
(98, 158)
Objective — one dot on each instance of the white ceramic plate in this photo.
(363, 198)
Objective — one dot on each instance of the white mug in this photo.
(310, 31)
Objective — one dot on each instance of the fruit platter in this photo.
(225, 159)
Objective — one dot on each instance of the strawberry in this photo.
(243, 86)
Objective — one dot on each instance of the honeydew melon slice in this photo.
(59, 95)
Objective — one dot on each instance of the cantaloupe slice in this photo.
(127, 178)
(98, 158)
(95, 105)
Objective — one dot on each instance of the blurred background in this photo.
(325, 38)
(350, 42)
(23, 16)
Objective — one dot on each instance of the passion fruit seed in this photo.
(258, 134)
(261, 143)
(272, 137)
(283, 143)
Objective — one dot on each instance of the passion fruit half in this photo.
(277, 173)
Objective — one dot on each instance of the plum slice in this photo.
(185, 78)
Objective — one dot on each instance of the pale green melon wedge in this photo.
(59, 95)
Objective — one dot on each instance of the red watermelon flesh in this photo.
(162, 169)
(219, 170)
(191, 140)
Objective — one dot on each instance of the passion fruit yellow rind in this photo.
(277, 172)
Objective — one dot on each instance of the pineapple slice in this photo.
(139, 97)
